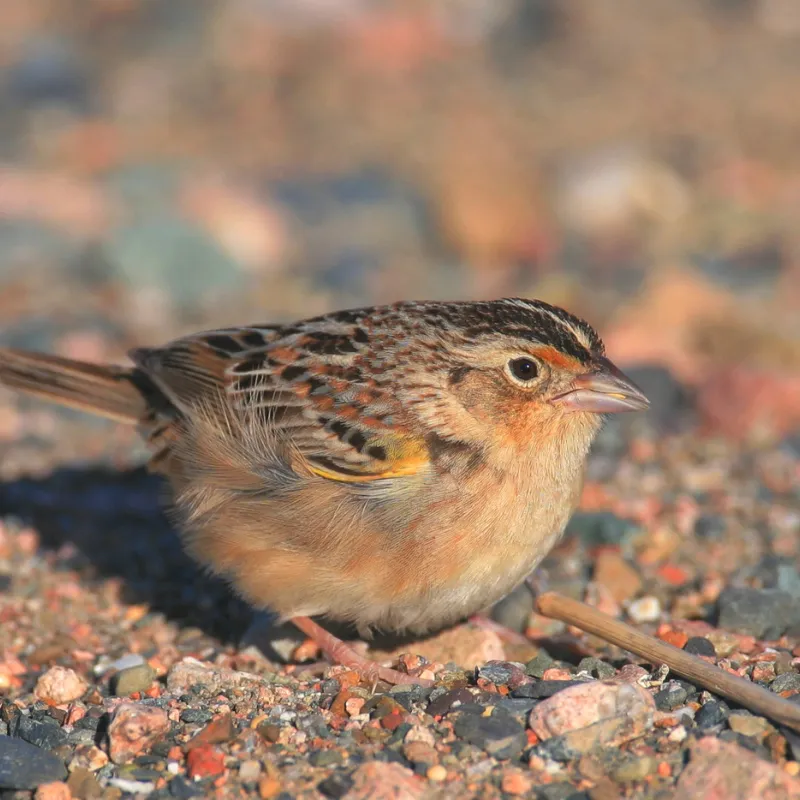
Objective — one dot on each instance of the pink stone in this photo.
(379, 780)
(60, 685)
(134, 729)
(723, 771)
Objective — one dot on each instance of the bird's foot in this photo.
(341, 653)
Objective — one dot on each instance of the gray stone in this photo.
(24, 766)
(763, 613)
(132, 679)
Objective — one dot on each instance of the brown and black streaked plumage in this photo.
(399, 466)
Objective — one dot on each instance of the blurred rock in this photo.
(763, 613)
(49, 71)
(378, 780)
(171, 253)
(720, 769)
(671, 402)
(595, 528)
(23, 766)
(617, 575)
(60, 685)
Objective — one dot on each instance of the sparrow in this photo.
(398, 467)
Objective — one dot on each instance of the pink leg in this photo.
(340, 653)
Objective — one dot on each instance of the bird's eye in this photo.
(523, 369)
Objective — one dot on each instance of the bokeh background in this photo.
(173, 164)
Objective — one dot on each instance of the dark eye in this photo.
(524, 369)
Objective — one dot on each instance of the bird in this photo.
(398, 467)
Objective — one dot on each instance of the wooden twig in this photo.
(709, 676)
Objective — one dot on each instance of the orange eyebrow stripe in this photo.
(556, 358)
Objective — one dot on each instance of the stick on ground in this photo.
(710, 677)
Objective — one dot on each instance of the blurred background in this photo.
(168, 165)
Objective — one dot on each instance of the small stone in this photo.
(420, 753)
(83, 784)
(353, 706)
(190, 672)
(24, 766)
(645, 609)
(496, 732)
(45, 732)
(672, 695)
(748, 725)
(724, 642)
(60, 685)
(629, 707)
(635, 769)
(543, 689)
(134, 729)
(325, 758)
(719, 769)
(515, 782)
(205, 761)
(132, 679)
(786, 682)
(88, 756)
(700, 646)
(436, 773)
(440, 705)
(596, 668)
(599, 528)
(537, 666)
(420, 733)
(617, 575)
(217, 731)
(380, 780)
(711, 714)
(502, 673)
(249, 771)
(334, 786)
(56, 790)
(763, 613)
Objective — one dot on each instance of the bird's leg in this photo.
(340, 653)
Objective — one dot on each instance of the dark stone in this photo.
(537, 666)
(710, 527)
(445, 702)
(542, 689)
(5, 582)
(763, 613)
(500, 735)
(182, 789)
(45, 733)
(336, 785)
(671, 695)
(596, 528)
(789, 680)
(711, 714)
(596, 668)
(24, 766)
(196, 715)
(502, 673)
(700, 646)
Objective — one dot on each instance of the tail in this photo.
(113, 392)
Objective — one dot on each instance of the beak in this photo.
(604, 390)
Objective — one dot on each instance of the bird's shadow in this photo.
(108, 523)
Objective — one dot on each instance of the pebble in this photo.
(24, 766)
(635, 769)
(596, 668)
(700, 646)
(763, 613)
(580, 707)
(436, 773)
(543, 689)
(56, 790)
(497, 733)
(712, 713)
(723, 770)
(379, 780)
(205, 761)
(645, 609)
(538, 665)
(617, 575)
(596, 528)
(134, 729)
(83, 784)
(44, 732)
(672, 695)
(786, 682)
(748, 725)
(60, 685)
(132, 679)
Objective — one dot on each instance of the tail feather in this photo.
(113, 392)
